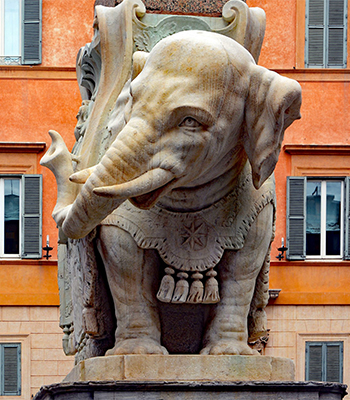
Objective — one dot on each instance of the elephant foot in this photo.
(137, 346)
(228, 347)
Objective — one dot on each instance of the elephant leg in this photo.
(227, 331)
(132, 275)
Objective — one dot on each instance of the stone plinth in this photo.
(175, 368)
(192, 391)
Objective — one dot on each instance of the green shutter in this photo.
(314, 362)
(336, 40)
(31, 32)
(10, 369)
(334, 370)
(315, 33)
(324, 361)
(325, 33)
(31, 216)
(296, 215)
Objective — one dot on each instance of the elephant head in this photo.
(199, 107)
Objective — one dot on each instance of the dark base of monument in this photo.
(192, 391)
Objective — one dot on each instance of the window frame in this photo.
(323, 229)
(30, 217)
(324, 345)
(2, 216)
(18, 346)
(30, 34)
(326, 28)
(296, 219)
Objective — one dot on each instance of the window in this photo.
(10, 369)
(20, 216)
(324, 361)
(324, 219)
(20, 32)
(326, 33)
(316, 225)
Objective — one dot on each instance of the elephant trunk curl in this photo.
(122, 173)
(59, 160)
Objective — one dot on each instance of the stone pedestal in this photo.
(174, 368)
(187, 377)
(113, 390)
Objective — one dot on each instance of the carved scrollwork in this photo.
(89, 69)
(146, 37)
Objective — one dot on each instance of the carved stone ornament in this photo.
(168, 197)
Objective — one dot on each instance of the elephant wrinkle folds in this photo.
(167, 201)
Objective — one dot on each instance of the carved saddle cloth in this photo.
(194, 242)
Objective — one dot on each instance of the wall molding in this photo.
(69, 73)
(22, 147)
(24, 340)
(38, 73)
(317, 149)
(316, 74)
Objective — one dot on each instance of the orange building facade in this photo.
(35, 99)
(313, 305)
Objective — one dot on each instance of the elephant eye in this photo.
(190, 122)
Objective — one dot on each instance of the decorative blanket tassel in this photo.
(166, 288)
(181, 288)
(196, 291)
(211, 294)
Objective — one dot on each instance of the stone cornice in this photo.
(315, 74)
(22, 147)
(68, 73)
(317, 149)
(37, 73)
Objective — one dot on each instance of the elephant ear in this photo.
(139, 59)
(273, 103)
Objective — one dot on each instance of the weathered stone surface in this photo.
(200, 7)
(183, 368)
(106, 3)
(193, 391)
(169, 195)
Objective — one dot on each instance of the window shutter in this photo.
(296, 212)
(315, 33)
(326, 36)
(313, 370)
(31, 217)
(324, 361)
(11, 366)
(347, 219)
(31, 32)
(334, 362)
(336, 34)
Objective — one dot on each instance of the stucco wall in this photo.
(37, 329)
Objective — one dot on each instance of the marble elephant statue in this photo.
(184, 198)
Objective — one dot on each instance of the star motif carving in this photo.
(193, 236)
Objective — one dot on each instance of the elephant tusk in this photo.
(81, 176)
(146, 183)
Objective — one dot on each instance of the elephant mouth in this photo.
(143, 191)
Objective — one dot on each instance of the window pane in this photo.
(313, 218)
(11, 239)
(333, 218)
(12, 28)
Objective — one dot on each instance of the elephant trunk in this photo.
(59, 160)
(123, 172)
